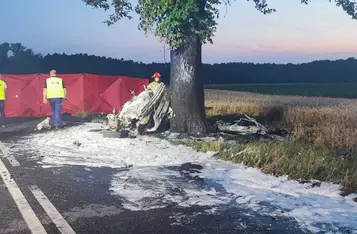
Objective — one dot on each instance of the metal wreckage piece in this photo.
(249, 127)
(244, 126)
(149, 107)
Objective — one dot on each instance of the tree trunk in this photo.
(186, 86)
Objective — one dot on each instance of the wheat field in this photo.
(331, 122)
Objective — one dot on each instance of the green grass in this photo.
(342, 90)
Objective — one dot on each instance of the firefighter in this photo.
(156, 81)
(3, 90)
(55, 92)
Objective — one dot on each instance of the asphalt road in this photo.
(76, 199)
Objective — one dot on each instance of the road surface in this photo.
(83, 198)
(79, 198)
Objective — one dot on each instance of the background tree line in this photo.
(17, 59)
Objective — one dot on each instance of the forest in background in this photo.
(17, 59)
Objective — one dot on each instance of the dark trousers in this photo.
(56, 106)
(2, 111)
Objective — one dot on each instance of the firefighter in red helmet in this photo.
(156, 81)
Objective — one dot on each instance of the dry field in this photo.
(330, 122)
(325, 129)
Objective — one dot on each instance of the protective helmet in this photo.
(156, 75)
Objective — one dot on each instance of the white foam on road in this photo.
(58, 148)
(317, 209)
(149, 185)
(145, 188)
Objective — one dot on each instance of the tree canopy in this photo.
(174, 20)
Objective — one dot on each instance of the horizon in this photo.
(125, 60)
(295, 34)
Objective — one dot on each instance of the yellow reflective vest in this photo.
(2, 90)
(54, 87)
(152, 85)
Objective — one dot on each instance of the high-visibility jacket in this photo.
(152, 85)
(2, 90)
(54, 87)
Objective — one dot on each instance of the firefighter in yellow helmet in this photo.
(55, 92)
(3, 90)
(156, 81)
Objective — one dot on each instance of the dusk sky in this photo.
(295, 33)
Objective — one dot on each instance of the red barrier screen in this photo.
(86, 93)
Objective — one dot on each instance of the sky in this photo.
(295, 33)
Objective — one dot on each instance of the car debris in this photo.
(144, 112)
(243, 126)
(249, 128)
(45, 124)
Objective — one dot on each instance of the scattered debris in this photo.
(250, 128)
(244, 126)
(67, 121)
(215, 155)
(190, 167)
(314, 183)
(45, 124)
(113, 121)
(128, 165)
(119, 134)
(77, 143)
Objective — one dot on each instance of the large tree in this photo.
(185, 25)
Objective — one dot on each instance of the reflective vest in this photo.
(2, 90)
(54, 88)
(152, 85)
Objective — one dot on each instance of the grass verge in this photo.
(296, 160)
(324, 128)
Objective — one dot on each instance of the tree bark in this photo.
(186, 86)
